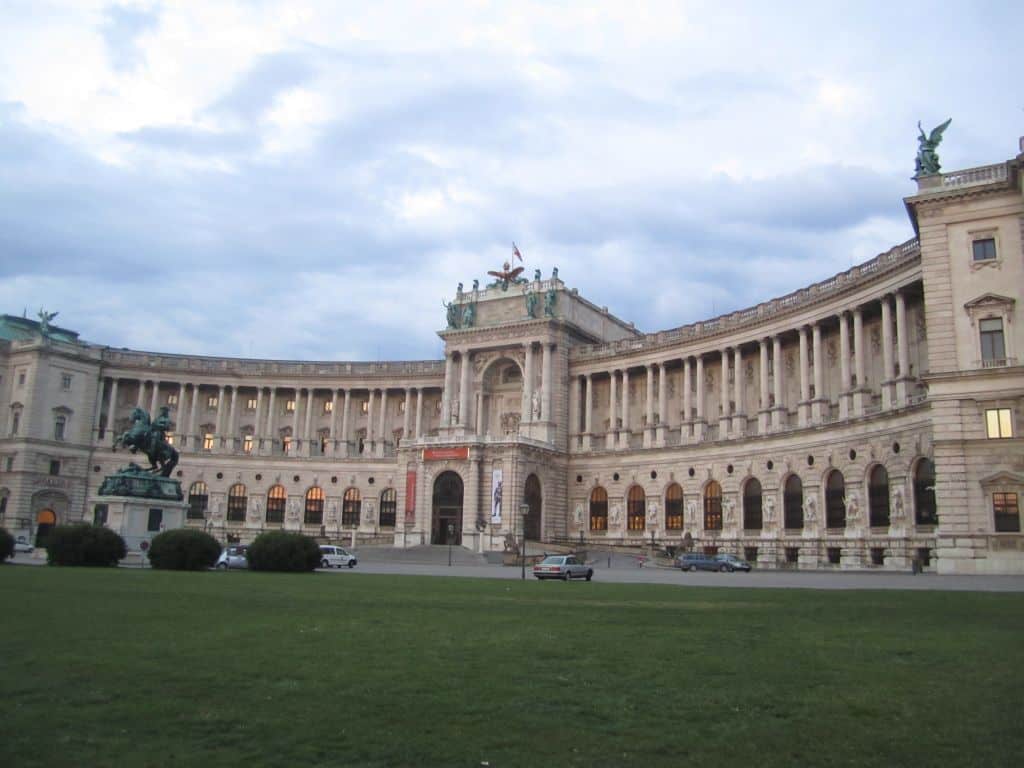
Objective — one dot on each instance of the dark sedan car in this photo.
(699, 561)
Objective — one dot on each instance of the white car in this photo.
(233, 556)
(336, 557)
(23, 546)
(562, 567)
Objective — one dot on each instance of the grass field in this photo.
(142, 668)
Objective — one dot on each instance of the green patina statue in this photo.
(468, 314)
(150, 438)
(44, 321)
(927, 159)
(550, 299)
(531, 304)
(453, 313)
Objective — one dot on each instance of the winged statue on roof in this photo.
(927, 158)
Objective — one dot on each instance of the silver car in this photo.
(336, 557)
(233, 556)
(562, 567)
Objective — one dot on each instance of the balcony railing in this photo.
(996, 362)
(972, 177)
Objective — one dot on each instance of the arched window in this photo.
(793, 503)
(712, 507)
(198, 500)
(388, 506)
(635, 514)
(599, 509)
(925, 512)
(674, 507)
(835, 500)
(752, 518)
(236, 503)
(276, 498)
(878, 497)
(350, 507)
(314, 506)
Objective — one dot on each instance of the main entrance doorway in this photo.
(532, 498)
(45, 521)
(446, 522)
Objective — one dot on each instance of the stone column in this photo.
(464, 391)
(739, 416)
(271, 421)
(141, 393)
(820, 402)
(686, 425)
(369, 420)
(98, 409)
(613, 431)
(662, 404)
(112, 410)
(258, 426)
(193, 437)
(588, 413)
(407, 414)
(153, 399)
(334, 422)
(218, 421)
(545, 391)
(765, 411)
(858, 362)
(575, 412)
(179, 410)
(805, 380)
(624, 433)
(649, 407)
(902, 350)
(723, 396)
(888, 370)
(307, 437)
(471, 508)
(479, 420)
(528, 384)
(446, 395)
(382, 431)
(419, 411)
(296, 437)
(844, 367)
(698, 427)
(779, 412)
(231, 430)
(345, 408)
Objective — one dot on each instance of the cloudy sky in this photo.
(310, 179)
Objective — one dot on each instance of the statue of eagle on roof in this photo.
(508, 276)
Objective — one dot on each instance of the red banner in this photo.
(440, 454)
(410, 497)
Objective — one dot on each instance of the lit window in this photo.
(211, 401)
(208, 441)
(388, 507)
(365, 406)
(247, 444)
(286, 443)
(314, 513)
(250, 404)
(172, 399)
(993, 346)
(58, 427)
(635, 516)
(169, 436)
(289, 406)
(350, 507)
(198, 498)
(276, 498)
(997, 422)
(65, 382)
(236, 503)
(984, 249)
(1006, 509)
(328, 406)
(713, 507)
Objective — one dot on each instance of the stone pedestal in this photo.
(137, 520)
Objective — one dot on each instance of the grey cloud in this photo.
(121, 30)
(256, 90)
(193, 141)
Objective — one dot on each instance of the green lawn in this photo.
(142, 668)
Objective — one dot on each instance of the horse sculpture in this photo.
(150, 438)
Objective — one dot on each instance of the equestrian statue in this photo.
(151, 439)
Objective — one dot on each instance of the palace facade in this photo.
(867, 421)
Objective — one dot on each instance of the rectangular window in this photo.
(401, 406)
(65, 382)
(21, 379)
(156, 519)
(993, 346)
(834, 555)
(10, 464)
(1007, 512)
(99, 514)
(15, 422)
(58, 428)
(997, 423)
(247, 444)
(250, 404)
(984, 249)
(172, 399)
(328, 406)
(365, 406)
(208, 441)
(54, 466)
(289, 406)
(169, 436)
(211, 401)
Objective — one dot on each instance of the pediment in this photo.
(989, 300)
(1003, 477)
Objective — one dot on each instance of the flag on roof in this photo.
(515, 252)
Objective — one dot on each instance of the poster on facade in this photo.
(496, 495)
(410, 497)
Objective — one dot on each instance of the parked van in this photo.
(336, 557)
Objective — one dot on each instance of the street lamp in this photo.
(524, 510)
(451, 535)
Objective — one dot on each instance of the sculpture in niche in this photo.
(652, 515)
(531, 304)
(536, 405)
(578, 514)
(897, 504)
(810, 510)
(769, 509)
(615, 514)
(852, 508)
(730, 511)
(691, 512)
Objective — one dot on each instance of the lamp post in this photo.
(451, 535)
(524, 510)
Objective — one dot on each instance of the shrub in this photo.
(283, 551)
(6, 544)
(84, 544)
(183, 549)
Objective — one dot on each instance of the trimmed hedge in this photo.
(183, 549)
(84, 544)
(283, 551)
(6, 544)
